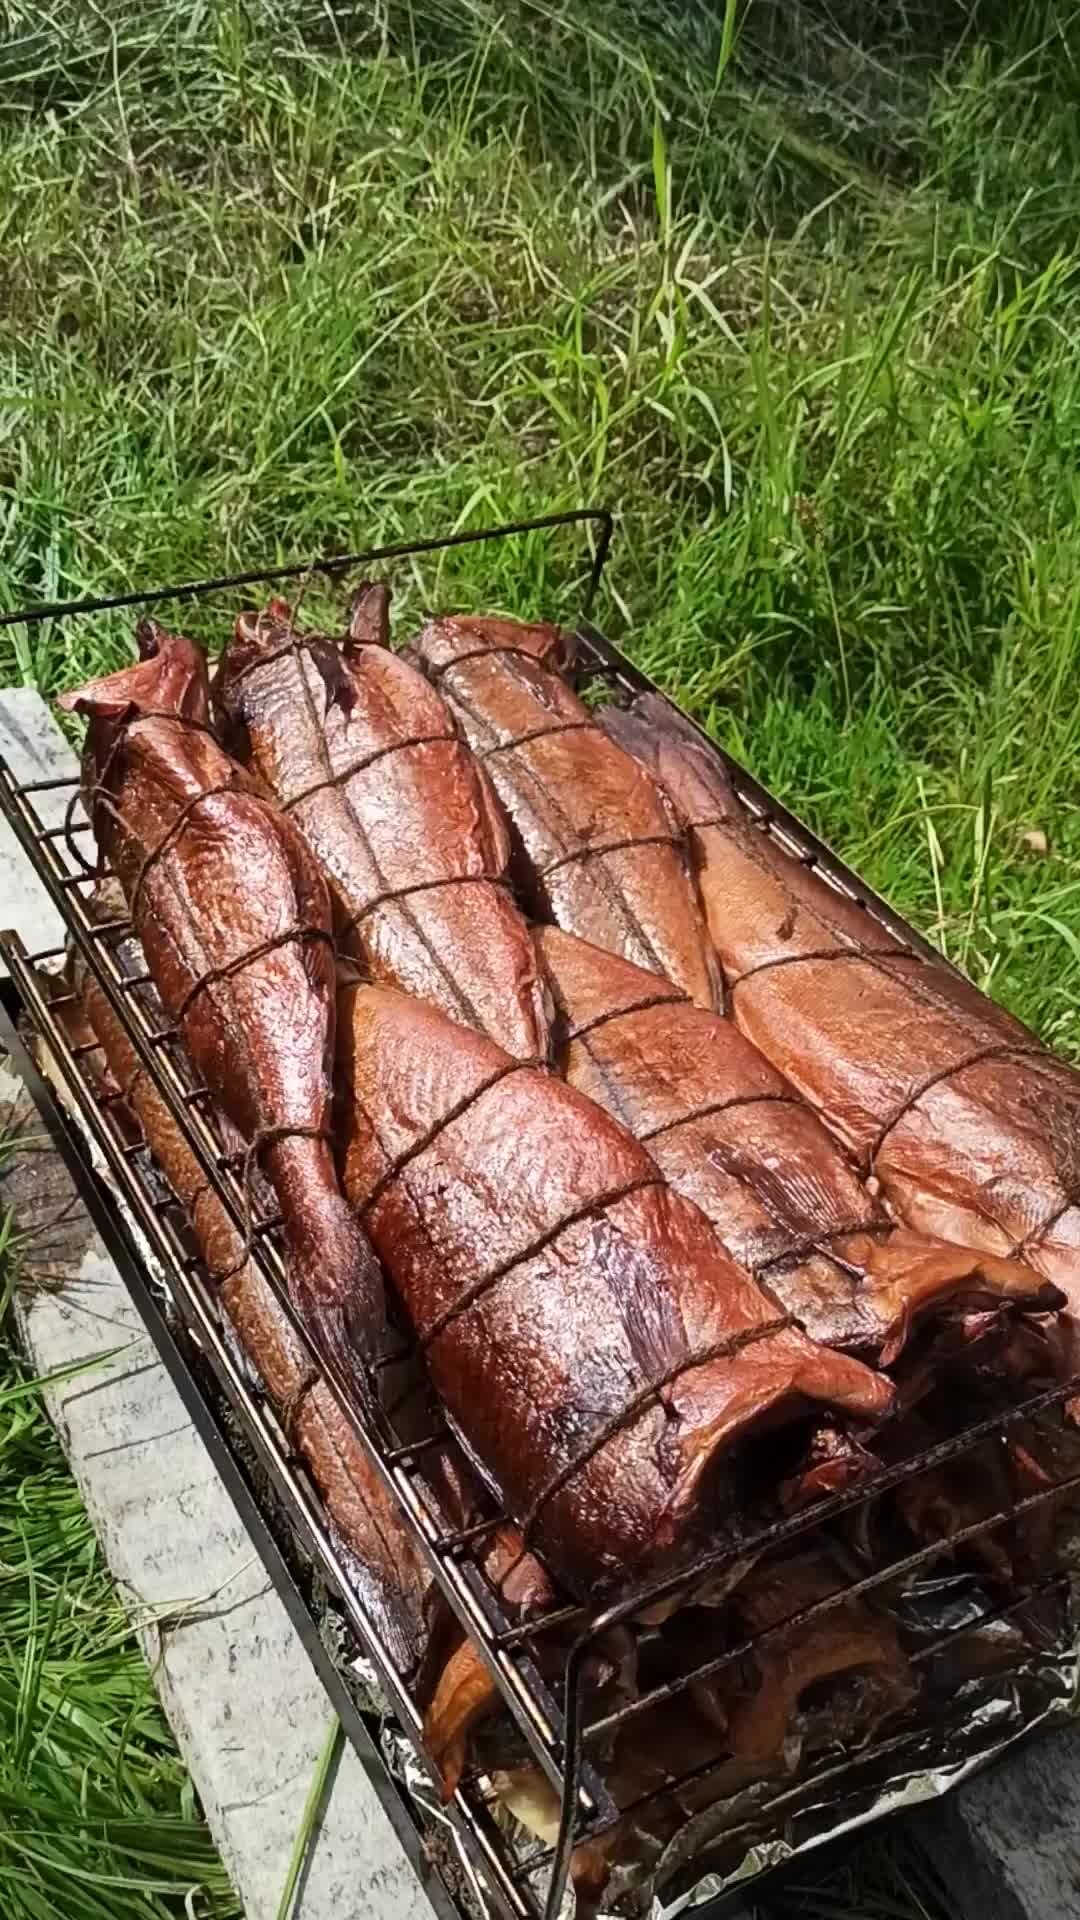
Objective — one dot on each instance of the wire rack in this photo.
(539, 1664)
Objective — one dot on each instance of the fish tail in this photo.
(334, 1276)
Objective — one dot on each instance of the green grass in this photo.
(800, 299)
(98, 1820)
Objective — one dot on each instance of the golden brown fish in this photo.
(392, 1578)
(729, 1132)
(970, 1125)
(600, 1353)
(363, 754)
(233, 917)
(600, 851)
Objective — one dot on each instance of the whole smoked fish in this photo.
(233, 917)
(731, 1134)
(392, 1578)
(394, 1584)
(970, 1125)
(598, 1351)
(601, 853)
(363, 754)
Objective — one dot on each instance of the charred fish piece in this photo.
(731, 1134)
(831, 1679)
(599, 1352)
(970, 1124)
(233, 918)
(363, 754)
(600, 851)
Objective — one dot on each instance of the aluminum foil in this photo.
(991, 1716)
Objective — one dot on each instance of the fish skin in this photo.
(603, 1308)
(393, 1579)
(762, 1168)
(417, 815)
(232, 876)
(988, 1157)
(569, 791)
(393, 1582)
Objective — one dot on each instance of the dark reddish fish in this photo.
(970, 1125)
(809, 1685)
(393, 1582)
(392, 1578)
(233, 917)
(600, 851)
(363, 754)
(732, 1134)
(597, 1349)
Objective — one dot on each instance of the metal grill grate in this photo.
(553, 1726)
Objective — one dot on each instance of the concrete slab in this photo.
(34, 749)
(1007, 1845)
(248, 1712)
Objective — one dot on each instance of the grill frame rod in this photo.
(180, 1309)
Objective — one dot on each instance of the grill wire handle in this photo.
(334, 564)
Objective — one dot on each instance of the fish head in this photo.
(170, 677)
(450, 637)
(671, 749)
(267, 653)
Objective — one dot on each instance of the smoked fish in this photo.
(731, 1134)
(599, 849)
(363, 754)
(233, 917)
(597, 1350)
(968, 1123)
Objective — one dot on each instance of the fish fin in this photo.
(369, 616)
(257, 632)
(465, 1695)
(907, 1275)
(170, 676)
(652, 1320)
(896, 1338)
(334, 674)
(631, 731)
(670, 747)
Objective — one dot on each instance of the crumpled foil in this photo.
(994, 1712)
